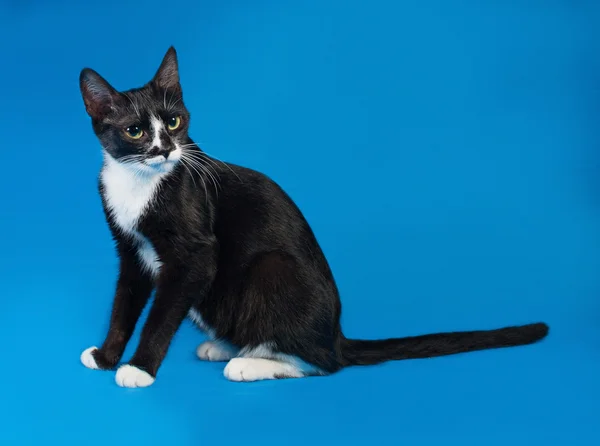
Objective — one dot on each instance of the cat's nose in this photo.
(158, 151)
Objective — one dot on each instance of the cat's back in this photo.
(251, 203)
(254, 192)
(255, 216)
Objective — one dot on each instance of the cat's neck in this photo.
(127, 192)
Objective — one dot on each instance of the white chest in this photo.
(128, 196)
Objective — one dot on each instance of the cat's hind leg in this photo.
(264, 362)
(282, 307)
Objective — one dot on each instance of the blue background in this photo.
(445, 153)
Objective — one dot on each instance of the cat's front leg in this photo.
(180, 283)
(134, 287)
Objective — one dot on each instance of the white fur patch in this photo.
(155, 160)
(88, 360)
(128, 193)
(268, 350)
(215, 351)
(157, 128)
(148, 256)
(256, 369)
(196, 317)
(130, 376)
(175, 155)
(165, 165)
(264, 350)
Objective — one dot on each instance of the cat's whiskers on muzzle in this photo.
(164, 162)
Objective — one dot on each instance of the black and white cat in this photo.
(225, 246)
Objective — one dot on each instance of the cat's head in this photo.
(146, 127)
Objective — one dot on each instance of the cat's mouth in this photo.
(162, 163)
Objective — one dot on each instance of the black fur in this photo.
(237, 249)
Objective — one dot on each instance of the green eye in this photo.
(174, 123)
(134, 132)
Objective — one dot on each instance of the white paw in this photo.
(214, 351)
(255, 369)
(131, 376)
(88, 360)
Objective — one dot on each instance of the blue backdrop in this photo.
(445, 153)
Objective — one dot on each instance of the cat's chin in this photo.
(152, 168)
(159, 168)
(159, 164)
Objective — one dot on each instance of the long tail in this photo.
(361, 352)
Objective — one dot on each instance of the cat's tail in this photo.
(362, 352)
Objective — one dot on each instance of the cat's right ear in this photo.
(98, 95)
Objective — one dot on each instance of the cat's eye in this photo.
(134, 132)
(174, 123)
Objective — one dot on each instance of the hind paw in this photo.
(257, 369)
(215, 351)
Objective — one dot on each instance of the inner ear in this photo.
(167, 76)
(99, 96)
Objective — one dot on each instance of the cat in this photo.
(225, 246)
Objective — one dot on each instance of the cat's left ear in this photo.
(167, 76)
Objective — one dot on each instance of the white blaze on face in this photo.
(157, 127)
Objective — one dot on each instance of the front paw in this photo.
(130, 376)
(96, 359)
(87, 358)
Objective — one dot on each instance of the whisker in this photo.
(192, 176)
(212, 158)
(206, 171)
(171, 106)
(185, 160)
(215, 162)
(198, 156)
(209, 167)
(135, 107)
(130, 158)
